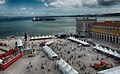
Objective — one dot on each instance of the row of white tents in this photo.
(108, 51)
(78, 40)
(51, 54)
(62, 65)
(49, 43)
(65, 67)
(41, 37)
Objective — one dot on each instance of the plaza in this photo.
(79, 57)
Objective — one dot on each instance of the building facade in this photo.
(107, 31)
(83, 26)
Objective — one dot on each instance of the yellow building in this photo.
(108, 31)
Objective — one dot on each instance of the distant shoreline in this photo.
(82, 15)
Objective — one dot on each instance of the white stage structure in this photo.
(51, 54)
(65, 67)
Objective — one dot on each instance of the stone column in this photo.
(95, 35)
(98, 35)
(106, 37)
(101, 36)
(118, 40)
(112, 38)
(109, 38)
(115, 40)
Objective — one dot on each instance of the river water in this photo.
(60, 25)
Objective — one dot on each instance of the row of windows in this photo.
(107, 27)
(106, 31)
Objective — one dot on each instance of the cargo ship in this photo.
(43, 19)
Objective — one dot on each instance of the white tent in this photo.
(101, 48)
(65, 67)
(77, 40)
(50, 42)
(111, 52)
(73, 71)
(60, 61)
(68, 68)
(114, 70)
(50, 52)
(97, 47)
(32, 37)
(19, 42)
(1, 61)
(108, 51)
(116, 54)
(62, 66)
(40, 37)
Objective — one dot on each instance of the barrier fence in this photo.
(7, 64)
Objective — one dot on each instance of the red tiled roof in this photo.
(108, 23)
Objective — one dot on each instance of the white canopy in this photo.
(19, 42)
(116, 54)
(50, 52)
(108, 51)
(65, 67)
(50, 42)
(1, 61)
(111, 52)
(79, 41)
(68, 68)
(73, 71)
(40, 37)
(114, 70)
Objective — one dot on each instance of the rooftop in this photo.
(109, 23)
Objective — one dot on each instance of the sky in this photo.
(57, 7)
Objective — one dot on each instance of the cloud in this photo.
(66, 3)
(43, 0)
(23, 8)
(2, 1)
(73, 3)
(80, 3)
(108, 2)
(89, 2)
